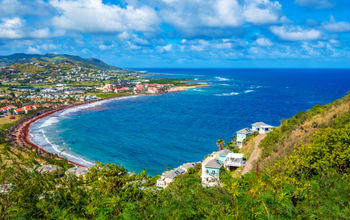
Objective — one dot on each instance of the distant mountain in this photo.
(27, 58)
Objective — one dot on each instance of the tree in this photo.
(233, 138)
(220, 142)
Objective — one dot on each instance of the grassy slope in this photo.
(298, 129)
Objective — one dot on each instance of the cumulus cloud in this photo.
(24, 8)
(193, 17)
(263, 12)
(334, 26)
(295, 33)
(11, 28)
(93, 16)
(315, 3)
(165, 48)
(263, 42)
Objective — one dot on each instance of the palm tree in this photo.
(233, 138)
(220, 142)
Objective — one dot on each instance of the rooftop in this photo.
(245, 131)
(221, 153)
(213, 164)
(261, 124)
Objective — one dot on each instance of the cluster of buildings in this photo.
(23, 110)
(211, 166)
(169, 176)
(259, 127)
(60, 98)
(77, 171)
(136, 88)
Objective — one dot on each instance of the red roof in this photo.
(124, 89)
(20, 110)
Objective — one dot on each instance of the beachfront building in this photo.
(221, 154)
(7, 108)
(242, 134)
(261, 127)
(77, 171)
(25, 109)
(169, 176)
(234, 161)
(47, 168)
(211, 172)
(123, 89)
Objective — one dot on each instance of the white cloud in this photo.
(195, 17)
(41, 33)
(165, 48)
(263, 42)
(295, 33)
(315, 3)
(11, 28)
(93, 16)
(33, 50)
(263, 12)
(334, 26)
(11, 8)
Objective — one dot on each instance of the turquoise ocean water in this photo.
(149, 132)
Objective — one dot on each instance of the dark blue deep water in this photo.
(149, 132)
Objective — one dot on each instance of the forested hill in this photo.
(27, 58)
(304, 174)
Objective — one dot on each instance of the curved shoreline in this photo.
(20, 132)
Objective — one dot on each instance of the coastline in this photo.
(20, 133)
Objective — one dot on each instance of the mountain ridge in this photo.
(26, 58)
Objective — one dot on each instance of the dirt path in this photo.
(255, 155)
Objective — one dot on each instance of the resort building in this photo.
(234, 161)
(211, 172)
(242, 134)
(169, 176)
(221, 154)
(7, 108)
(77, 171)
(261, 127)
(47, 168)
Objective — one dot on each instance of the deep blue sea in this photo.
(150, 132)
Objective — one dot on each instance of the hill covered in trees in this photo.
(54, 58)
(304, 174)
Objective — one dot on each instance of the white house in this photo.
(261, 127)
(169, 176)
(242, 134)
(221, 154)
(234, 161)
(77, 171)
(211, 172)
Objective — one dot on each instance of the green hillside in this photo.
(304, 174)
(27, 58)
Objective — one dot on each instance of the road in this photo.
(255, 154)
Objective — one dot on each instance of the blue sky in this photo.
(182, 33)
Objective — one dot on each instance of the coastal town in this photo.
(35, 87)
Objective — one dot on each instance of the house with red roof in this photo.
(7, 108)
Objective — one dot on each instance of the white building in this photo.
(234, 161)
(77, 171)
(261, 127)
(169, 176)
(242, 134)
(211, 172)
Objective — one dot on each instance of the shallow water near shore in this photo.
(150, 132)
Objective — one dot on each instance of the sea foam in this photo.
(227, 94)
